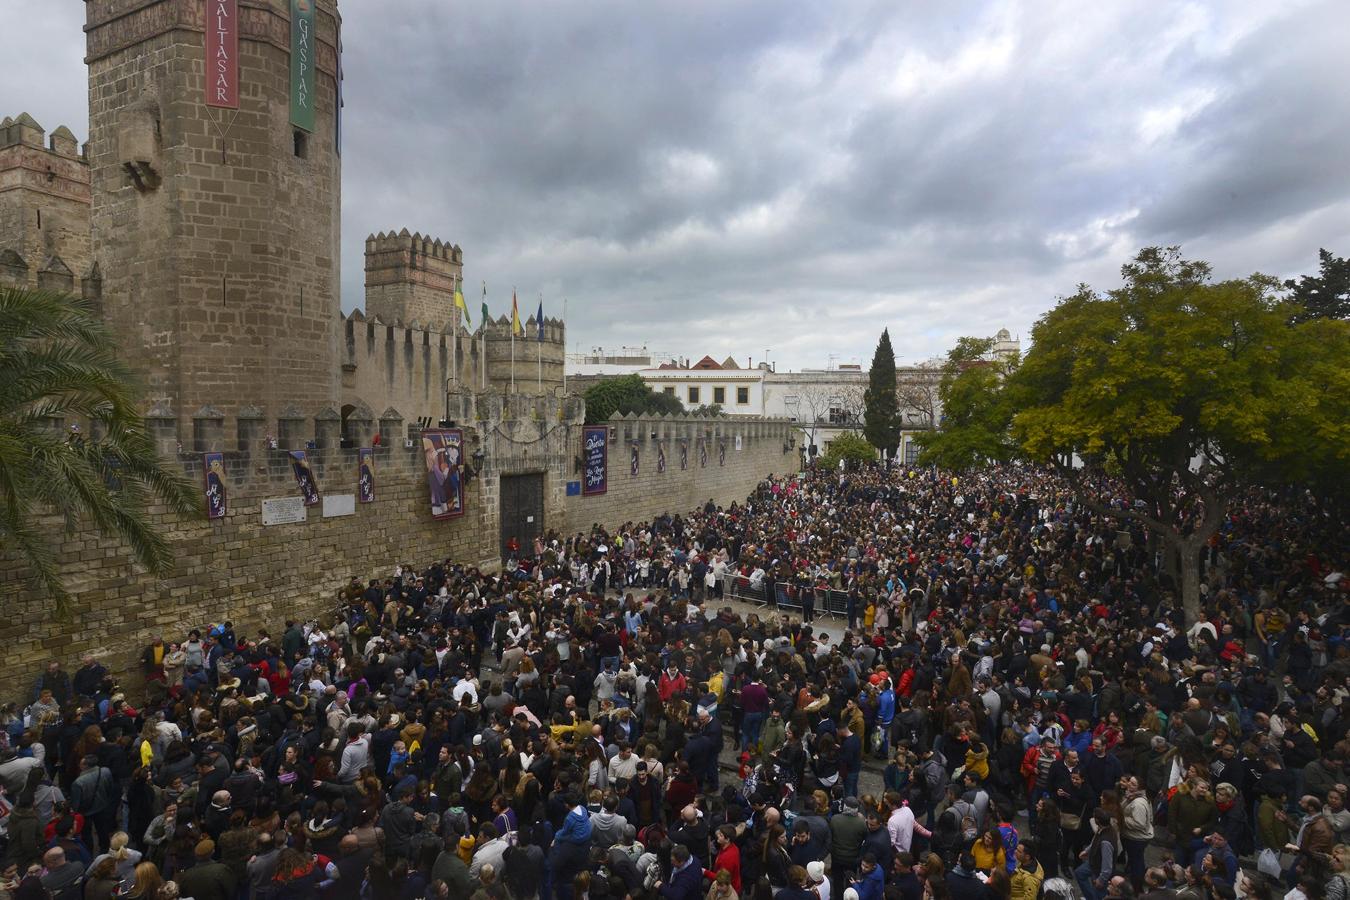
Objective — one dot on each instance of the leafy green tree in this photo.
(850, 447)
(1325, 295)
(974, 417)
(707, 411)
(627, 394)
(1163, 399)
(58, 365)
(881, 408)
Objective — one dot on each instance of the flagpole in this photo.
(454, 335)
(482, 339)
(515, 314)
(539, 345)
(564, 343)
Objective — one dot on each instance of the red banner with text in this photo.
(222, 53)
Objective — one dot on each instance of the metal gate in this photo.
(522, 511)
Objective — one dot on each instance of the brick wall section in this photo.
(636, 498)
(256, 575)
(220, 268)
(236, 568)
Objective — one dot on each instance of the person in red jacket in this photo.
(672, 682)
(728, 856)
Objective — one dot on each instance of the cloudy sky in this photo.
(735, 177)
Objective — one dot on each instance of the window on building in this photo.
(742, 396)
(719, 395)
(301, 144)
(693, 395)
(911, 453)
(669, 389)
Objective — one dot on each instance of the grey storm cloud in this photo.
(731, 177)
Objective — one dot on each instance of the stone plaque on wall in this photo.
(284, 511)
(338, 505)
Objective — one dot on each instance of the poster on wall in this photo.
(595, 459)
(721, 453)
(444, 452)
(660, 459)
(213, 473)
(702, 453)
(365, 475)
(684, 455)
(738, 443)
(222, 53)
(304, 477)
(633, 458)
(303, 58)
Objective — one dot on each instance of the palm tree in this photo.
(59, 364)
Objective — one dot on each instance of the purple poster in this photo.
(213, 473)
(595, 459)
(304, 477)
(633, 458)
(684, 455)
(365, 475)
(444, 452)
(660, 459)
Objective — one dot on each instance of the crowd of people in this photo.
(598, 721)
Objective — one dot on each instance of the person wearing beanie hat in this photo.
(816, 879)
(207, 879)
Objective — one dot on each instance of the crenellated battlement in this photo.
(415, 244)
(499, 329)
(411, 278)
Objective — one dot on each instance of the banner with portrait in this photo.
(365, 474)
(304, 477)
(684, 455)
(595, 459)
(721, 453)
(213, 476)
(660, 459)
(702, 453)
(443, 450)
(633, 458)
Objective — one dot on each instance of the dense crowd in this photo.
(597, 721)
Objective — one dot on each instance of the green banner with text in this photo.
(303, 58)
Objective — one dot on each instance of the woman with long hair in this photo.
(146, 884)
(1047, 834)
(774, 858)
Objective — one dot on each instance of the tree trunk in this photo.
(1188, 556)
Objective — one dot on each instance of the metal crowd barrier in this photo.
(830, 602)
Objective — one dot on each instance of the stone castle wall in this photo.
(236, 568)
(632, 498)
(258, 575)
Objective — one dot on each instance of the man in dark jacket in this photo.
(399, 822)
(95, 795)
(686, 876)
(207, 880)
(847, 833)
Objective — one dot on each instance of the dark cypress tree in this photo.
(881, 409)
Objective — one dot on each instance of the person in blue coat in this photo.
(871, 881)
(571, 848)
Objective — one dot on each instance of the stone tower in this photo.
(411, 278)
(217, 228)
(44, 209)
